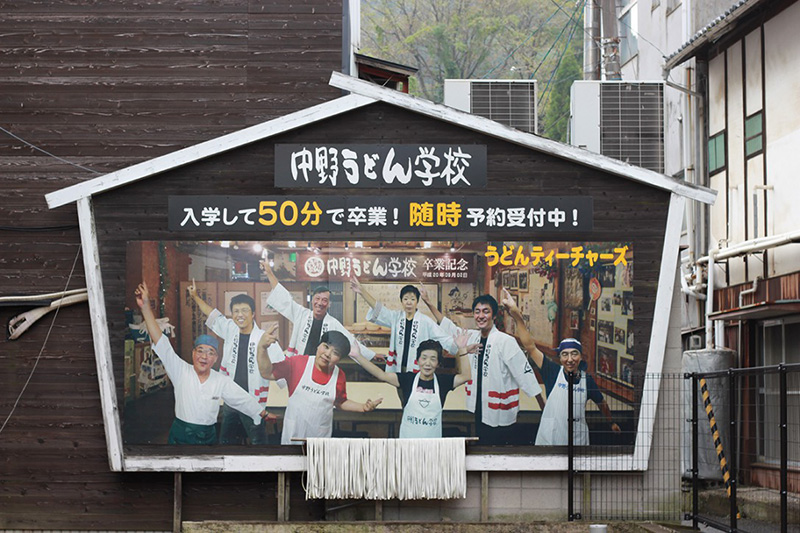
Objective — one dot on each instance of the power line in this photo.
(640, 36)
(558, 37)
(41, 351)
(20, 139)
(528, 38)
(558, 63)
(38, 228)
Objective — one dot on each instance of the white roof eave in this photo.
(500, 131)
(365, 93)
(205, 149)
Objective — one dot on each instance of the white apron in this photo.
(553, 428)
(309, 412)
(422, 415)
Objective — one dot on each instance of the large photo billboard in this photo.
(258, 343)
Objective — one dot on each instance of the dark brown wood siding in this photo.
(105, 84)
(141, 78)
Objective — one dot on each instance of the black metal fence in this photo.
(606, 482)
(756, 448)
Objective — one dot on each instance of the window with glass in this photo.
(716, 153)
(779, 342)
(754, 134)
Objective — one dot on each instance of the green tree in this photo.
(556, 116)
(492, 39)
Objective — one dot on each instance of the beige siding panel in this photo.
(753, 78)
(755, 197)
(735, 140)
(782, 81)
(716, 95)
(719, 213)
(782, 73)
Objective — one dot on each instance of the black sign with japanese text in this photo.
(370, 213)
(410, 166)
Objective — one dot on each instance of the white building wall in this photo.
(753, 80)
(658, 33)
(736, 91)
(736, 177)
(782, 81)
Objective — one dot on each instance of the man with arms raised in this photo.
(198, 388)
(499, 370)
(309, 324)
(553, 429)
(239, 361)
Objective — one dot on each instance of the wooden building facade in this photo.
(104, 85)
(202, 73)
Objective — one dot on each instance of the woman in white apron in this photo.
(423, 391)
(316, 386)
(422, 414)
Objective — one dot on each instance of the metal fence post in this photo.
(732, 460)
(784, 449)
(695, 450)
(570, 451)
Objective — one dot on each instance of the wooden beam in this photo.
(102, 344)
(281, 497)
(177, 502)
(484, 496)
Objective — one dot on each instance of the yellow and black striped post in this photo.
(723, 463)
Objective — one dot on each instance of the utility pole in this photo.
(591, 40)
(610, 41)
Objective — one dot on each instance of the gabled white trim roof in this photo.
(205, 149)
(365, 93)
(495, 129)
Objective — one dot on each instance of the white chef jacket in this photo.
(505, 371)
(302, 317)
(227, 329)
(198, 403)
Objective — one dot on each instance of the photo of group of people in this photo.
(274, 343)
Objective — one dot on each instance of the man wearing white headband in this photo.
(553, 428)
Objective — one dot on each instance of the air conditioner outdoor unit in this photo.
(619, 119)
(509, 102)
